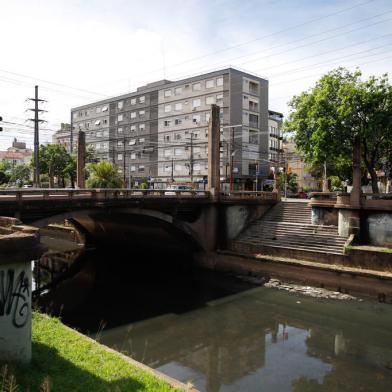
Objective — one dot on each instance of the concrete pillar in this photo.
(81, 163)
(356, 192)
(214, 152)
(19, 245)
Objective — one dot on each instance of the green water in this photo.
(267, 340)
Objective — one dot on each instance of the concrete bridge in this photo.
(188, 219)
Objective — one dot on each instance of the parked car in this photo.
(174, 189)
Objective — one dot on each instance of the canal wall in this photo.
(345, 279)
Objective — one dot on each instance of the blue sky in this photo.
(88, 50)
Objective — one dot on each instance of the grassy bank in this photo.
(64, 360)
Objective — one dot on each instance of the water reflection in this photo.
(265, 340)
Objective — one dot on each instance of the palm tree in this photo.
(104, 174)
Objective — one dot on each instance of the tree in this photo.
(20, 174)
(340, 114)
(104, 174)
(55, 161)
(290, 179)
(5, 170)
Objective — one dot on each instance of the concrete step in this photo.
(303, 249)
(299, 236)
(293, 226)
(308, 231)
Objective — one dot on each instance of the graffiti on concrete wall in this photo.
(15, 296)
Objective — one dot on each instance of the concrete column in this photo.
(355, 196)
(214, 152)
(17, 249)
(81, 163)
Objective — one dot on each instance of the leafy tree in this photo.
(290, 179)
(104, 174)
(342, 113)
(20, 175)
(54, 160)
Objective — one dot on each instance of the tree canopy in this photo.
(104, 174)
(340, 110)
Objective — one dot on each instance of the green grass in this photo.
(68, 361)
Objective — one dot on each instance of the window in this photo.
(132, 142)
(167, 108)
(178, 91)
(196, 150)
(133, 101)
(178, 151)
(196, 135)
(253, 137)
(119, 143)
(133, 155)
(166, 138)
(142, 99)
(177, 121)
(141, 168)
(254, 120)
(120, 105)
(196, 118)
(196, 103)
(97, 110)
(196, 86)
(253, 106)
(167, 168)
(178, 106)
(167, 153)
(120, 130)
(219, 81)
(167, 93)
(120, 117)
(105, 145)
(119, 157)
(210, 83)
(98, 122)
(196, 167)
(177, 136)
(141, 113)
(133, 128)
(99, 134)
(177, 167)
(133, 168)
(253, 88)
(98, 146)
(142, 127)
(142, 140)
(133, 114)
(219, 98)
(210, 100)
(105, 109)
(167, 123)
(106, 133)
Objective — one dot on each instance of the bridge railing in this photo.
(101, 194)
(260, 195)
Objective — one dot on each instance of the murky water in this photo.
(266, 340)
(220, 334)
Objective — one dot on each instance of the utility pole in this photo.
(191, 159)
(172, 170)
(257, 172)
(81, 162)
(232, 153)
(36, 121)
(124, 163)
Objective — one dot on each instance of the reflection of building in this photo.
(295, 163)
(63, 137)
(17, 154)
(161, 129)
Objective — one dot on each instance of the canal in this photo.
(223, 334)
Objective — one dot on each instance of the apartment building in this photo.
(63, 137)
(275, 138)
(160, 132)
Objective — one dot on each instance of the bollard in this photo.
(19, 245)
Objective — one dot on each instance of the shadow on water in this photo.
(221, 333)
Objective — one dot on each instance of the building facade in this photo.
(63, 137)
(160, 132)
(17, 154)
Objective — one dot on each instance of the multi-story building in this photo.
(161, 130)
(275, 138)
(63, 137)
(17, 154)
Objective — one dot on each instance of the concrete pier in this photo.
(19, 245)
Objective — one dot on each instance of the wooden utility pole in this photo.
(81, 162)
(36, 120)
(214, 152)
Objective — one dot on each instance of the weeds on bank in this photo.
(8, 382)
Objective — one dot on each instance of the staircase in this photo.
(286, 230)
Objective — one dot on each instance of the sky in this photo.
(79, 52)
